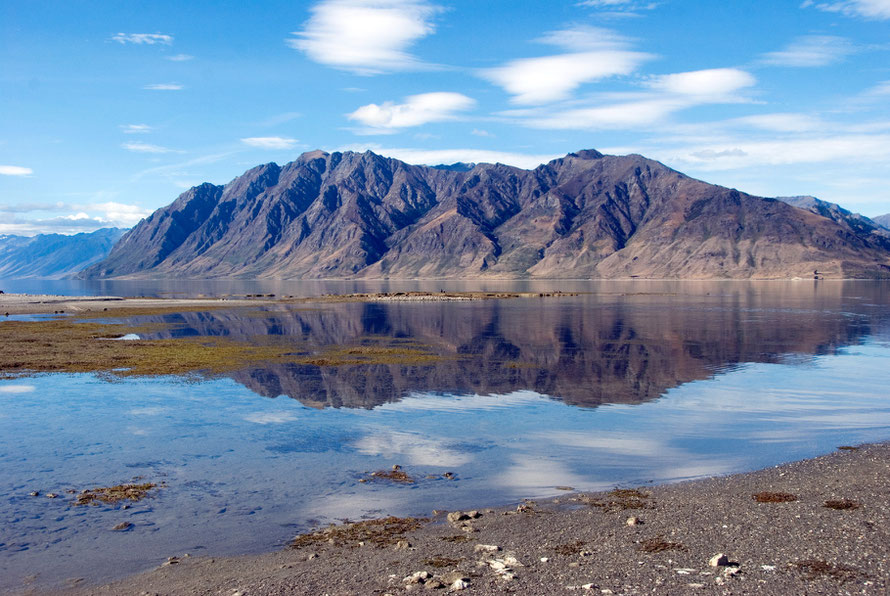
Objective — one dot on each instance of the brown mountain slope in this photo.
(585, 215)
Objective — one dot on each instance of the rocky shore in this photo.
(819, 526)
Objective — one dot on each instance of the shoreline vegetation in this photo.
(812, 526)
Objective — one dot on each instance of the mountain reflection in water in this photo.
(585, 350)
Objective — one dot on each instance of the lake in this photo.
(626, 384)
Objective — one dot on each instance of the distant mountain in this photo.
(54, 256)
(853, 222)
(586, 215)
(882, 220)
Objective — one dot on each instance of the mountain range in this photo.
(54, 256)
(586, 215)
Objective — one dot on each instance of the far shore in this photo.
(19, 304)
(817, 526)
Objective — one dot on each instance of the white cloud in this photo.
(119, 214)
(270, 142)
(15, 171)
(596, 54)
(147, 148)
(710, 84)
(669, 94)
(80, 217)
(811, 51)
(415, 111)
(449, 156)
(179, 57)
(143, 38)
(870, 9)
(365, 36)
(480, 133)
(132, 129)
(164, 87)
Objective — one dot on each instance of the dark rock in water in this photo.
(585, 215)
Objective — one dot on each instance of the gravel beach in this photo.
(819, 526)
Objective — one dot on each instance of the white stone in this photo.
(718, 560)
(459, 584)
(486, 548)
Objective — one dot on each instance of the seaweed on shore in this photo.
(658, 544)
(379, 532)
(619, 499)
(774, 497)
(817, 568)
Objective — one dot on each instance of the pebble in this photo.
(51, 495)
(123, 526)
(718, 560)
(545, 559)
(34, 493)
(460, 584)
(634, 521)
(456, 516)
(403, 545)
(418, 577)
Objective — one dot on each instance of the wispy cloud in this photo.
(164, 87)
(132, 129)
(741, 153)
(179, 57)
(620, 7)
(143, 38)
(869, 9)
(147, 148)
(270, 142)
(15, 171)
(365, 36)
(811, 51)
(279, 119)
(593, 54)
(415, 111)
(668, 94)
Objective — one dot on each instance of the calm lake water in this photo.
(627, 384)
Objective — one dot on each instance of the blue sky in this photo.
(111, 110)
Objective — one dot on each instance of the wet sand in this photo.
(819, 526)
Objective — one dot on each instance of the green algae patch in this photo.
(70, 346)
(111, 495)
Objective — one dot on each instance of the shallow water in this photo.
(626, 385)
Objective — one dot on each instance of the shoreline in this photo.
(29, 304)
(813, 526)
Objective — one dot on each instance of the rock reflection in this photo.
(587, 350)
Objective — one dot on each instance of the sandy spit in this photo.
(824, 528)
(20, 304)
